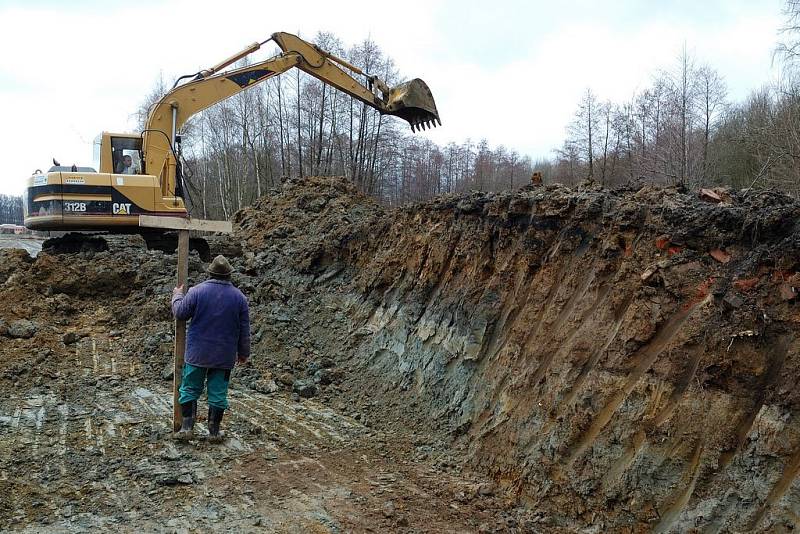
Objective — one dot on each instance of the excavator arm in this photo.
(411, 101)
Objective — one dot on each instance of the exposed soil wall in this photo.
(625, 359)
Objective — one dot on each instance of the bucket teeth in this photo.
(419, 124)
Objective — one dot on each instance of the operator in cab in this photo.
(126, 166)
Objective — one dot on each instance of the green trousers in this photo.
(194, 381)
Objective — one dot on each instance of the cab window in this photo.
(126, 154)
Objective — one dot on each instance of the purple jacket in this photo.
(220, 326)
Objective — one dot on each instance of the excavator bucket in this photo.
(413, 102)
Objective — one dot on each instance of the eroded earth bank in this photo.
(547, 360)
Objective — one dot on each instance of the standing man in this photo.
(217, 338)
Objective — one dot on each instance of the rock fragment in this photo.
(22, 328)
(745, 284)
(305, 388)
(787, 291)
(70, 337)
(266, 386)
(388, 509)
(733, 301)
(720, 255)
(710, 196)
(168, 371)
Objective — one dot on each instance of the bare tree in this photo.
(295, 125)
(10, 209)
(788, 49)
(684, 90)
(581, 132)
(712, 93)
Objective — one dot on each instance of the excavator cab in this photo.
(111, 151)
(110, 195)
(126, 155)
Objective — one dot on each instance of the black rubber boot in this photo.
(188, 414)
(214, 419)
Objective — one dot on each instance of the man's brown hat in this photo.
(220, 266)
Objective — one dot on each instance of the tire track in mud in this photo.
(644, 358)
(742, 429)
(680, 497)
(505, 375)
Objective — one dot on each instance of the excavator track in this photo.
(122, 243)
(77, 242)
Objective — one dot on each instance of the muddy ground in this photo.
(547, 360)
(86, 412)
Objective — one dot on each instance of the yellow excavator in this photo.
(139, 174)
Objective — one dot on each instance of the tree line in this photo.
(10, 209)
(682, 129)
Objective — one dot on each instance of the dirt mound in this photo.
(617, 360)
(309, 222)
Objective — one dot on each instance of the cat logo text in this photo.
(120, 208)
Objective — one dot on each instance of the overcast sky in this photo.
(508, 71)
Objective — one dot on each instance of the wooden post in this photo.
(180, 330)
(183, 225)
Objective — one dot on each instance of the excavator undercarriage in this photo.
(206, 246)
